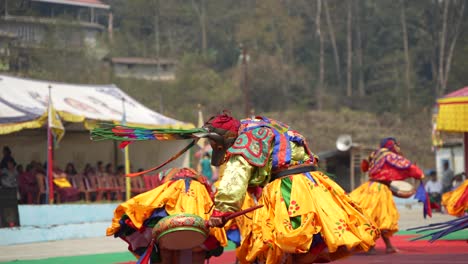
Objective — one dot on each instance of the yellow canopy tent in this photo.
(452, 116)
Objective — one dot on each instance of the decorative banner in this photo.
(56, 126)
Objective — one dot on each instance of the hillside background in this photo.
(367, 68)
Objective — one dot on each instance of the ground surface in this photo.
(107, 250)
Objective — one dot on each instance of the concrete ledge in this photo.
(23, 235)
(40, 223)
(49, 215)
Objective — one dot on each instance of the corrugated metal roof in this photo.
(87, 3)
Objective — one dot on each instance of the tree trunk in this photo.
(331, 31)
(443, 36)
(448, 62)
(321, 60)
(349, 70)
(407, 57)
(203, 27)
(156, 36)
(361, 85)
(201, 13)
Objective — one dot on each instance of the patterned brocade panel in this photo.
(453, 116)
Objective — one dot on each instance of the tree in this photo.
(331, 32)
(200, 10)
(448, 41)
(320, 86)
(407, 57)
(349, 41)
(359, 52)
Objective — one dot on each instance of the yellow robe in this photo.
(376, 200)
(320, 204)
(451, 200)
(173, 197)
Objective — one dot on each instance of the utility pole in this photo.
(244, 59)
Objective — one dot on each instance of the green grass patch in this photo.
(108, 258)
(459, 235)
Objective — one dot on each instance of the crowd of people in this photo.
(102, 181)
(437, 187)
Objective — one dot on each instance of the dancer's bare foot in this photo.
(389, 249)
(372, 251)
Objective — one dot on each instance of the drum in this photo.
(402, 189)
(180, 231)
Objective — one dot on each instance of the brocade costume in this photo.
(306, 217)
(182, 191)
(375, 196)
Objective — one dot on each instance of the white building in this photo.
(453, 153)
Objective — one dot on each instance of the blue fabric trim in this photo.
(233, 235)
(316, 240)
(157, 213)
(288, 149)
(309, 176)
(267, 123)
(275, 149)
(187, 184)
(297, 140)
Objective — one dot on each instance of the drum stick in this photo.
(236, 214)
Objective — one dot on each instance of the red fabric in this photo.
(226, 122)
(256, 191)
(211, 243)
(364, 165)
(427, 208)
(123, 144)
(389, 143)
(389, 173)
(217, 213)
(463, 199)
(435, 206)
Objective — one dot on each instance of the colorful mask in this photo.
(223, 130)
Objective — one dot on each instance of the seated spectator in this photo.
(71, 173)
(88, 170)
(109, 170)
(67, 193)
(434, 189)
(28, 187)
(100, 168)
(39, 172)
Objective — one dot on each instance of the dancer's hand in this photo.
(216, 221)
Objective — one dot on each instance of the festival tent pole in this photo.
(50, 153)
(126, 157)
(55, 132)
(127, 171)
